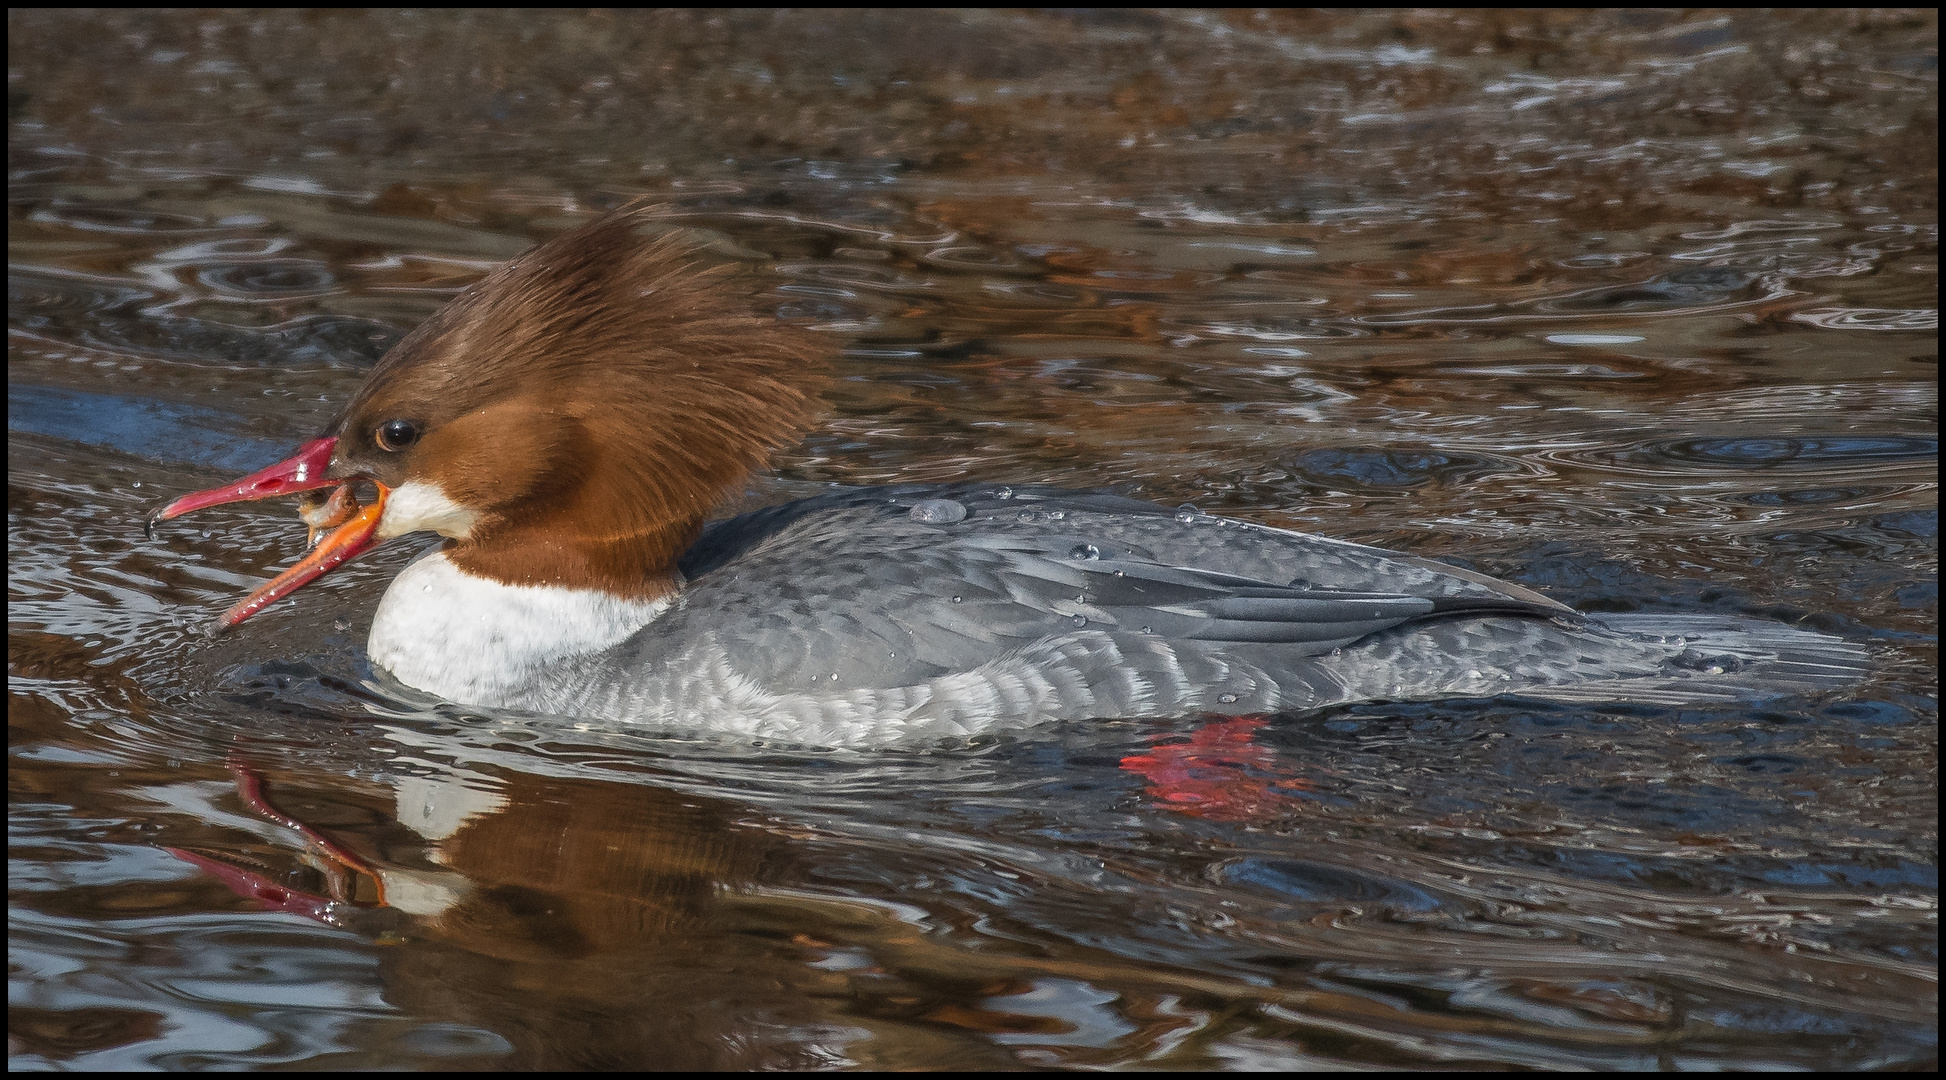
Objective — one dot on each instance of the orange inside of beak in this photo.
(354, 528)
(339, 546)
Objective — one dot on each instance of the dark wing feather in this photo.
(898, 601)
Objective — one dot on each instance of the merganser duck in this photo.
(569, 423)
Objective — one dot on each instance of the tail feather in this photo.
(1718, 658)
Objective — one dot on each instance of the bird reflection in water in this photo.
(597, 901)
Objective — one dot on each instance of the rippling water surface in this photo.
(1638, 309)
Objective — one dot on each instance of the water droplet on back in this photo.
(1087, 552)
(937, 511)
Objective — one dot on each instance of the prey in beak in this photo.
(353, 528)
(322, 513)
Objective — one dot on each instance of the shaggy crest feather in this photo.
(631, 392)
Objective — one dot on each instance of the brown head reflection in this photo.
(571, 916)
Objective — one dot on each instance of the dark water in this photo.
(1639, 309)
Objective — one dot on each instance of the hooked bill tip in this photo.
(157, 516)
(166, 512)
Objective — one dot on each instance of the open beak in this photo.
(303, 471)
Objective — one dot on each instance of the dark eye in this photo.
(396, 435)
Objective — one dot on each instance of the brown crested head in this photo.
(581, 410)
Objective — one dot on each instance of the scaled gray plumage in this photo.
(854, 618)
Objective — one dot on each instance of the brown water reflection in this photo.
(1636, 308)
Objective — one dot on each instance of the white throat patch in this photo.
(417, 506)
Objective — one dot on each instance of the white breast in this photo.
(471, 640)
